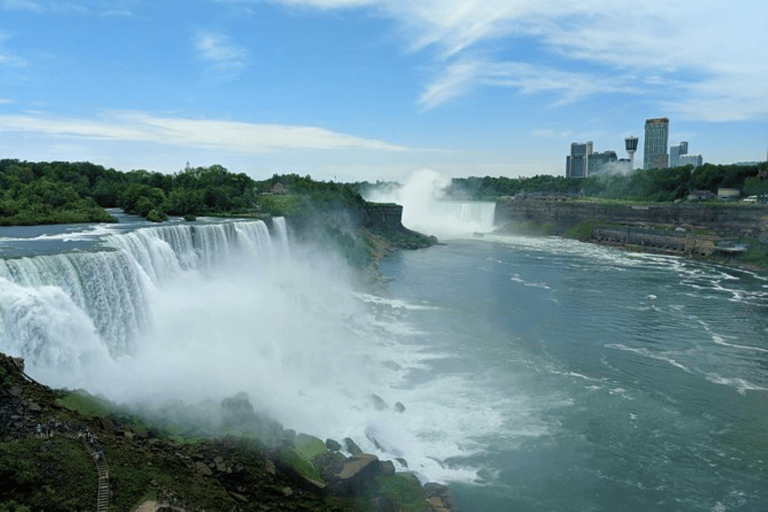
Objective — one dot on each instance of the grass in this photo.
(47, 474)
(85, 403)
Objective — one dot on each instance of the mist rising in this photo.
(427, 209)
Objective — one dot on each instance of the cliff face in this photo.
(733, 220)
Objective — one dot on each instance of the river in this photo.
(535, 374)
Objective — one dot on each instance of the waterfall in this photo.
(450, 218)
(55, 308)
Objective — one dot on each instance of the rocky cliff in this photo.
(687, 229)
(740, 220)
(71, 451)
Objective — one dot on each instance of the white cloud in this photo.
(711, 52)
(460, 77)
(233, 136)
(227, 58)
(5, 101)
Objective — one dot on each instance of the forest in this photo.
(652, 185)
(71, 192)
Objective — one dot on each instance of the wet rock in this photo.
(387, 467)
(399, 407)
(402, 461)
(351, 447)
(347, 476)
(440, 498)
(203, 469)
(332, 445)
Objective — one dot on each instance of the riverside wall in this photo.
(666, 228)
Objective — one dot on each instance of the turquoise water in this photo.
(536, 374)
(614, 381)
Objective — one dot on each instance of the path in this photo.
(102, 489)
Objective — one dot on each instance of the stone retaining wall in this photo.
(739, 220)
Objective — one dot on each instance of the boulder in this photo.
(440, 498)
(387, 467)
(332, 445)
(351, 447)
(346, 476)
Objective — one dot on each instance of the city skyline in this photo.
(355, 90)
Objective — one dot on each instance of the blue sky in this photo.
(376, 89)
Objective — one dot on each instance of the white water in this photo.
(426, 210)
(201, 312)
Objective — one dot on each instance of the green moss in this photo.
(85, 403)
(291, 459)
(405, 490)
(756, 255)
(582, 231)
(308, 446)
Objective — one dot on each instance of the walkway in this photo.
(89, 442)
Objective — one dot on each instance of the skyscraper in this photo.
(676, 153)
(577, 163)
(655, 154)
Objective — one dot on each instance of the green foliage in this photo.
(53, 474)
(403, 489)
(354, 249)
(755, 186)
(62, 192)
(291, 459)
(308, 446)
(156, 215)
(655, 185)
(85, 403)
(582, 231)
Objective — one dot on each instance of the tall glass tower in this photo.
(655, 154)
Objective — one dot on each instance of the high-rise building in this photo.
(583, 162)
(577, 163)
(677, 151)
(655, 154)
(694, 160)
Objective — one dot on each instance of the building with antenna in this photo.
(655, 154)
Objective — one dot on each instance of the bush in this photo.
(157, 215)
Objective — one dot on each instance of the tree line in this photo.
(64, 192)
(68, 192)
(655, 185)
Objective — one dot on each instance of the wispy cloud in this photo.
(461, 77)
(7, 58)
(20, 5)
(233, 136)
(709, 51)
(226, 58)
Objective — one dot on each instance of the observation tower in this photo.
(630, 144)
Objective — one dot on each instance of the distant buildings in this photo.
(583, 162)
(655, 154)
(678, 156)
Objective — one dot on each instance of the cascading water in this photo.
(104, 294)
(199, 312)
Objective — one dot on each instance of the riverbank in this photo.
(728, 234)
(50, 440)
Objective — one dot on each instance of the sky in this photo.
(353, 90)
